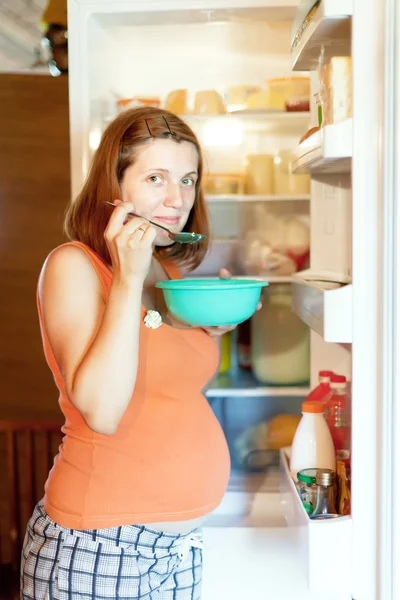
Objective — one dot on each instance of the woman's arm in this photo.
(96, 343)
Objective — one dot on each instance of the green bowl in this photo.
(212, 302)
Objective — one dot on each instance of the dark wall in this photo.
(34, 191)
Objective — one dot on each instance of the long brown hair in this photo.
(87, 217)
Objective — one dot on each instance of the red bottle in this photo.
(337, 415)
(319, 393)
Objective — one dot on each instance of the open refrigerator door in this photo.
(300, 211)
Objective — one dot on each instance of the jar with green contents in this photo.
(307, 488)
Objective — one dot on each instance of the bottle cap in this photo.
(325, 477)
(338, 381)
(338, 378)
(312, 406)
(325, 375)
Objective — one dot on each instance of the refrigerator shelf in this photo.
(326, 307)
(330, 28)
(255, 198)
(252, 115)
(320, 542)
(329, 150)
(243, 384)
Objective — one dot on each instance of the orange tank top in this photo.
(167, 461)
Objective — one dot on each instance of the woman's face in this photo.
(161, 184)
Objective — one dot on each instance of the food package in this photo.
(136, 101)
(258, 258)
(255, 447)
(290, 90)
(258, 101)
(276, 245)
(208, 102)
(176, 102)
(344, 495)
(336, 89)
(304, 15)
(237, 96)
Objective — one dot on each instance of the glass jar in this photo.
(307, 487)
(318, 102)
(280, 341)
(285, 181)
(326, 493)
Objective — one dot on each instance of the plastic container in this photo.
(312, 444)
(298, 104)
(285, 181)
(260, 174)
(321, 392)
(282, 89)
(280, 341)
(212, 302)
(337, 415)
(223, 183)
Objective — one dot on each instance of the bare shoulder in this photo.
(68, 267)
(72, 304)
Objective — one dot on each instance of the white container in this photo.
(280, 341)
(312, 443)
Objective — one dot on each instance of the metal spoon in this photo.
(182, 238)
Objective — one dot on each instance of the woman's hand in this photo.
(130, 243)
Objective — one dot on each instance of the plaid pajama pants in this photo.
(122, 563)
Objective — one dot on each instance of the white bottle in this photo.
(312, 443)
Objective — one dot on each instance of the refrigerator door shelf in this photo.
(329, 150)
(326, 307)
(321, 543)
(330, 27)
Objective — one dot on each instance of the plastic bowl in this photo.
(212, 302)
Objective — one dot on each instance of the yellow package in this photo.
(336, 90)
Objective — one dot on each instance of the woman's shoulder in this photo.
(71, 261)
(66, 256)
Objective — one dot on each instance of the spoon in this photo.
(182, 238)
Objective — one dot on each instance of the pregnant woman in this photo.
(143, 459)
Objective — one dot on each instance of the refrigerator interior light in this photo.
(223, 133)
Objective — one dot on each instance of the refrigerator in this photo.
(260, 543)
